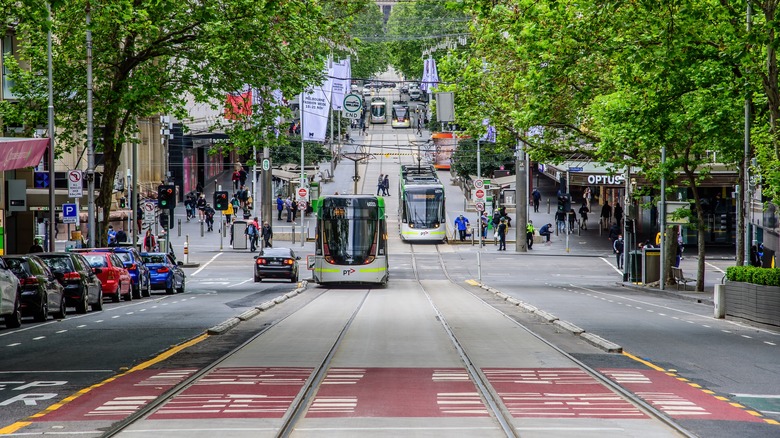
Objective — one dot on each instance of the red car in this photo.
(112, 273)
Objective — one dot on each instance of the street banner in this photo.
(238, 104)
(341, 75)
(316, 105)
(490, 135)
(430, 78)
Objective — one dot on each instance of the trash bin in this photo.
(634, 266)
(239, 238)
(651, 265)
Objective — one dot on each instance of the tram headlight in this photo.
(329, 259)
(369, 260)
(411, 224)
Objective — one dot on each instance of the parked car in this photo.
(165, 273)
(10, 297)
(132, 260)
(112, 273)
(82, 285)
(276, 263)
(41, 291)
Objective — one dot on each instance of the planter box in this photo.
(753, 302)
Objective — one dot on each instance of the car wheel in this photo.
(169, 289)
(61, 313)
(98, 305)
(147, 292)
(115, 298)
(14, 319)
(43, 311)
(294, 279)
(180, 290)
(136, 291)
(81, 307)
(129, 295)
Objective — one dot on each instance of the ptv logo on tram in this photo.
(347, 272)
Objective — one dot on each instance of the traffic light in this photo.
(220, 201)
(166, 196)
(166, 220)
(122, 202)
(561, 203)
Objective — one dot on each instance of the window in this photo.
(9, 46)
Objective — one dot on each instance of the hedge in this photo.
(752, 274)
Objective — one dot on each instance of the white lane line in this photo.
(239, 284)
(115, 316)
(715, 267)
(769, 343)
(206, 264)
(81, 326)
(38, 338)
(14, 344)
(612, 266)
(60, 331)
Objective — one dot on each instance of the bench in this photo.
(679, 278)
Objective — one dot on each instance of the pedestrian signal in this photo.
(220, 201)
(122, 203)
(166, 197)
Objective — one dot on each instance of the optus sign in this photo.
(606, 179)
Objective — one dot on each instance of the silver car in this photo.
(10, 297)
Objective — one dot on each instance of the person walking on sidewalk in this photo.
(288, 206)
(606, 213)
(380, 185)
(279, 207)
(267, 234)
(201, 205)
(235, 178)
(229, 213)
(386, 186)
(502, 235)
(584, 216)
(560, 221)
(209, 212)
(251, 234)
(461, 224)
(618, 247)
(537, 197)
(529, 234)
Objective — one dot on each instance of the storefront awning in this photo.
(291, 176)
(18, 153)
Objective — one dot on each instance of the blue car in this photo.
(139, 274)
(164, 274)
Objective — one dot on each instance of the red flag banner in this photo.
(238, 105)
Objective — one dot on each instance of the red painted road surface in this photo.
(119, 398)
(676, 398)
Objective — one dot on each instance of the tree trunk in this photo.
(111, 153)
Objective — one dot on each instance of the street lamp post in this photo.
(52, 212)
(90, 138)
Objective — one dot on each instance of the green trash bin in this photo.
(635, 266)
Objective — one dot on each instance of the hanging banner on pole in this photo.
(315, 106)
(340, 74)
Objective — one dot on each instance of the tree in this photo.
(368, 30)
(147, 55)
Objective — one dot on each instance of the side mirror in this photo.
(97, 270)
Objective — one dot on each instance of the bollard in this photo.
(472, 235)
(479, 268)
(720, 301)
(548, 206)
(187, 250)
(303, 237)
(222, 228)
(293, 233)
(179, 228)
(201, 229)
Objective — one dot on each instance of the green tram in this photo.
(351, 240)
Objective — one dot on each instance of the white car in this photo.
(10, 297)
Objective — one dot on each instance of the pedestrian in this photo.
(419, 125)
(36, 246)
(614, 232)
(617, 248)
(505, 216)
(617, 212)
(586, 197)
(483, 221)
(537, 197)
(546, 231)
(572, 216)
(461, 224)
(236, 177)
(386, 186)
(279, 206)
(209, 212)
(380, 184)
(121, 236)
(560, 221)
(236, 204)
(201, 206)
(242, 176)
(229, 212)
(502, 235)
(606, 213)
(251, 234)
(755, 260)
(267, 234)
(584, 210)
(243, 196)
(288, 205)
(111, 236)
(529, 234)
(188, 205)
(149, 244)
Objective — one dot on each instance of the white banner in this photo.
(341, 75)
(316, 105)
(430, 78)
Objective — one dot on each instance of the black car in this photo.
(139, 273)
(41, 290)
(276, 263)
(82, 286)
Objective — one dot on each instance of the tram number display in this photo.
(338, 213)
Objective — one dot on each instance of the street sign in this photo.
(575, 169)
(301, 205)
(148, 207)
(266, 164)
(478, 184)
(349, 115)
(70, 214)
(479, 195)
(480, 206)
(353, 103)
(75, 189)
(303, 194)
(149, 218)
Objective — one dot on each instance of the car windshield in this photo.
(276, 252)
(96, 261)
(17, 266)
(154, 258)
(58, 263)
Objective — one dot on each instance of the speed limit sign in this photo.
(478, 184)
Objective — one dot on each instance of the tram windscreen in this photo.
(349, 228)
(378, 110)
(400, 112)
(424, 206)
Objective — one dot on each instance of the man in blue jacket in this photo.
(462, 224)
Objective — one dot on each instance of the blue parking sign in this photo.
(70, 214)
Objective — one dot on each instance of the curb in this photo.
(595, 340)
(228, 324)
(191, 265)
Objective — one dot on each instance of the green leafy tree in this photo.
(147, 55)
(368, 29)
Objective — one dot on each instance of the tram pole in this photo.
(521, 198)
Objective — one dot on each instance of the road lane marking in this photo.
(206, 264)
(239, 284)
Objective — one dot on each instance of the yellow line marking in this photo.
(736, 405)
(159, 358)
(472, 282)
(754, 413)
(653, 366)
(770, 421)
(695, 385)
(11, 428)
(721, 398)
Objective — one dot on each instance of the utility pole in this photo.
(267, 195)
(52, 202)
(134, 194)
(662, 212)
(521, 197)
(90, 138)
(747, 198)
